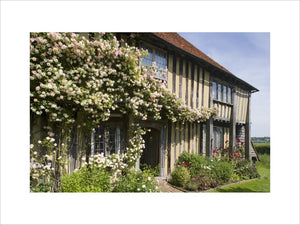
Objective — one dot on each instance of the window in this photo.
(221, 92)
(157, 56)
(106, 140)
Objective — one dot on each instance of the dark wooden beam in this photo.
(209, 125)
(248, 130)
(232, 132)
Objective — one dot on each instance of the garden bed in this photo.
(181, 189)
(196, 173)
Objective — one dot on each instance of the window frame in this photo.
(221, 90)
(106, 140)
(154, 49)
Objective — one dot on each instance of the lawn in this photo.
(259, 185)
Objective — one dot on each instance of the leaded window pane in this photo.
(214, 90)
(229, 95)
(160, 59)
(106, 140)
(99, 140)
(161, 63)
(224, 94)
(148, 59)
(219, 92)
(111, 140)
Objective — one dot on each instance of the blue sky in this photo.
(247, 56)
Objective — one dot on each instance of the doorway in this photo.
(150, 154)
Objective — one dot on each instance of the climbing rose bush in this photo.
(70, 74)
(225, 153)
(44, 167)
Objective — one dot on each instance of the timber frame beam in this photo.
(248, 130)
(232, 132)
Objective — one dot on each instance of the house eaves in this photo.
(178, 42)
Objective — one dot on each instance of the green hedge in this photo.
(222, 171)
(180, 176)
(262, 148)
(86, 180)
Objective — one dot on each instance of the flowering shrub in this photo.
(136, 144)
(225, 153)
(136, 181)
(202, 181)
(196, 162)
(69, 73)
(185, 164)
(245, 170)
(45, 165)
(208, 172)
(242, 167)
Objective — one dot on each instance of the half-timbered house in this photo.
(200, 82)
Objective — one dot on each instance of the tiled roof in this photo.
(180, 42)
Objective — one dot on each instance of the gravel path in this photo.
(164, 186)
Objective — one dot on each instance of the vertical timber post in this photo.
(248, 130)
(232, 122)
(169, 147)
(162, 149)
(209, 125)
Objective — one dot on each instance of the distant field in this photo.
(260, 139)
(262, 148)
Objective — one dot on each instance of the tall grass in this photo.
(264, 161)
(263, 166)
(262, 148)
